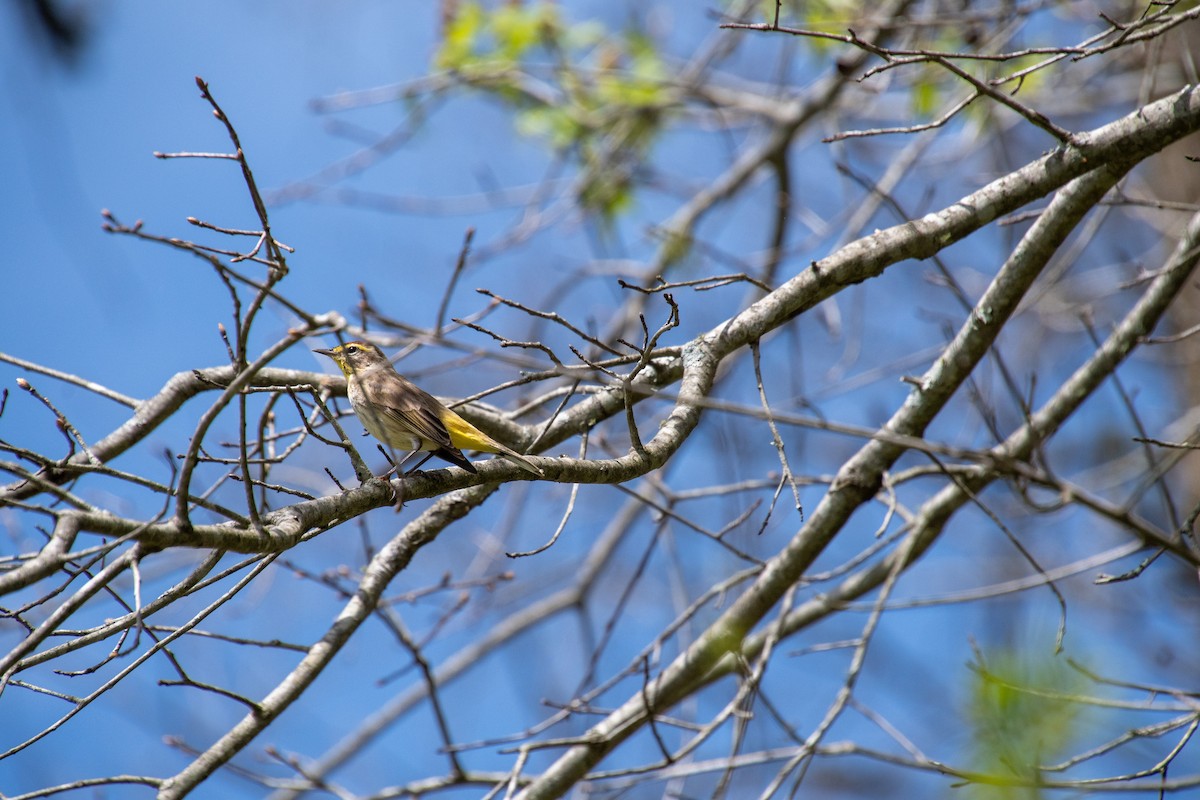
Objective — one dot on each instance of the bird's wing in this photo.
(422, 421)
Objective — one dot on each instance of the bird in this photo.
(402, 415)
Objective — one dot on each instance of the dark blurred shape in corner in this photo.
(57, 24)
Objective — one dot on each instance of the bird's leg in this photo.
(419, 463)
(396, 468)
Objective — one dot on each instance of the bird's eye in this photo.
(352, 348)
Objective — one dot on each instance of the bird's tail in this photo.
(466, 436)
(522, 462)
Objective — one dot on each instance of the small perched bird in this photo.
(405, 417)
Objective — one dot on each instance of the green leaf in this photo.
(461, 37)
(552, 123)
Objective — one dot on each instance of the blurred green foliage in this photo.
(590, 92)
(1023, 711)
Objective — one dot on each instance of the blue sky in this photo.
(81, 139)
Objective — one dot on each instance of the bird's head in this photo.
(355, 357)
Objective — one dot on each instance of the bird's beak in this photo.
(325, 352)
